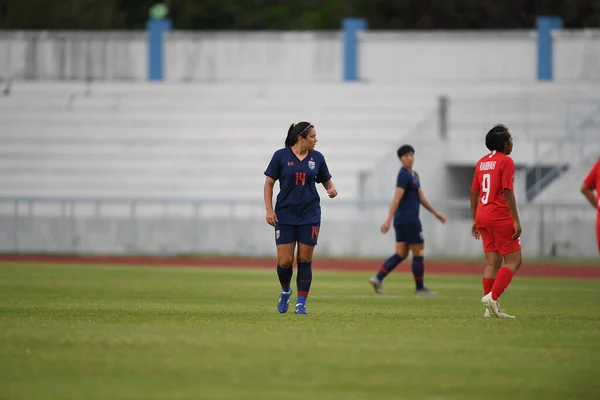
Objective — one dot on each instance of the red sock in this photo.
(503, 279)
(487, 285)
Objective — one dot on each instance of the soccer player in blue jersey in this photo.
(297, 215)
(405, 213)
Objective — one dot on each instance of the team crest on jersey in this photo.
(311, 164)
(277, 234)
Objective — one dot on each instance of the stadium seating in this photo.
(214, 141)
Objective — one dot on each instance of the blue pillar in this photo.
(545, 25)
(350, 26)
(155, 30)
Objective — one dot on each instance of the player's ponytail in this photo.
(299, 129)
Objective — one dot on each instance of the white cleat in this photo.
(376, 283)
(491, 305)
(502, 314)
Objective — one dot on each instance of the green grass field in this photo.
(102, 332)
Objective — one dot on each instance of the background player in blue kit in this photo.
(405, 213)
(297, 215)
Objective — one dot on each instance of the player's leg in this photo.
(416, 244)
(285, 239)
(308, 236)
(392, 262)
(493, 261)
(511, 251)
(418, 268)
(506, 273)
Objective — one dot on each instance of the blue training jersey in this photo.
(298, 202)
(408, 209)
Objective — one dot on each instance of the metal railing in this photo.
(227, 226)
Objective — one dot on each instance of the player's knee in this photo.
(417, 251)
(513, 261)
(286, 262)
(402, 254)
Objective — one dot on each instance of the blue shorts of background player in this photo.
(404, 211)
(409, 232)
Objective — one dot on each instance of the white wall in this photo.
(239, 228)
(73, 55)
(255, 56)
(444, 56)
(577, 55)
(386, 57)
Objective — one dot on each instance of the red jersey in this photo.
(593, 180)
(494, 173)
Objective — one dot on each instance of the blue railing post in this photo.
(156, 29)
(350, 26)
(545, 25)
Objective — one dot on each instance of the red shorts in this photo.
(498, 239)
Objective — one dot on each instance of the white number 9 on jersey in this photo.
(485, 188)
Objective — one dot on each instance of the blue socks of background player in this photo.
(418, 269)
(285, 277)
(303, 281)
(388, 266)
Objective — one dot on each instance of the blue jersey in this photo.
(408, 209)
(298, 202)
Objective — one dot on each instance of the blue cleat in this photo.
(301, 309)
(284, 301)
(425, 291)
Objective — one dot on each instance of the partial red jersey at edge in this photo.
(592, 181)
(494, 173)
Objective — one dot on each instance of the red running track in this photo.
(432, 266)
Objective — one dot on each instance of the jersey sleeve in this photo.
(592, 178)
(323, 175)
(274, 166)
(402, 181)
(476, 185)
(508, 174)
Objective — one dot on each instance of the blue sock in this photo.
(418, 269)
(303, 281)
(388, 266)
(285, 277)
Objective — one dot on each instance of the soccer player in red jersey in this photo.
(495, 217)
(590, 185)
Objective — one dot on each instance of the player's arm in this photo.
(511, 202)
(474, 203)
(324, 177)
(475, 189)
(507, 175)
(330, 187)
(423, 200)
(590, 195)
(268, 194)
(588, 184)
(394, 206)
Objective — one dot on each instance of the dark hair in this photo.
(497, 138)
(299, 129)
(405, 149)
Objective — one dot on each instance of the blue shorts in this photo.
(410, 232)
(305, 234)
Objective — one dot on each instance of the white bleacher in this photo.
(211, 140)
(566, 188)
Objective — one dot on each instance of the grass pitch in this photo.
(110, 332)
